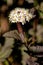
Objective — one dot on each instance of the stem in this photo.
(20, 30)
(35, 29)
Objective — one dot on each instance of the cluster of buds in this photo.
(20, 15)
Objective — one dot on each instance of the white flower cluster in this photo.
(20, 15)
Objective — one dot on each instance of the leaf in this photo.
(12, 34)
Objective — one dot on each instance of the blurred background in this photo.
(33, 31)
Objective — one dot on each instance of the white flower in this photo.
(6, 50)
(20, 15)
(39, 33)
